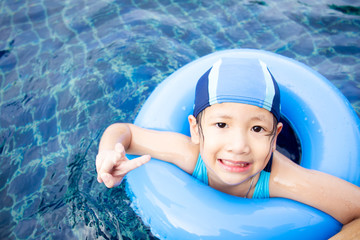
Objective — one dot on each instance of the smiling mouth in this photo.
(234, 166)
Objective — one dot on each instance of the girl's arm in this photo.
(330, 194)
(120, 138)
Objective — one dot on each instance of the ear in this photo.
(194, 129)
(278, 130)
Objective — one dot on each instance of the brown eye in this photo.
(257, 129)
(221, 125)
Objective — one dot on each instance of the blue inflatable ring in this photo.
(176, 206)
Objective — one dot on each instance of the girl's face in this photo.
(236, 141)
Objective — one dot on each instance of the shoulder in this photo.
(285, 176)
(317, 189)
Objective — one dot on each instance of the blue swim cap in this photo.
(238, 80)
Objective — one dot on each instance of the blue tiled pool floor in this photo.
(68, 69)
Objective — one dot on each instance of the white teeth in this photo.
(231, 163)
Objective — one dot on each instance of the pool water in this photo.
(68, 69)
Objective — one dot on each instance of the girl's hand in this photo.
(113, 165)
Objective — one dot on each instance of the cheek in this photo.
(210, 144)
(262, 146)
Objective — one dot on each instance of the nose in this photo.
(238, 143)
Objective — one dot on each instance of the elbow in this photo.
(116, 133)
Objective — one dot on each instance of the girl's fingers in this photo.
(109, 161)
(99, 162)
(106, 161)
(112, 166)
(115, 178)
(110, 181)
(119, 154)
(106, 166)
(136, 162)
(120, 172)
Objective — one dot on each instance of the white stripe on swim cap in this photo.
(270, 89)
(213, 82)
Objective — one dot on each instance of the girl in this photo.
(232, 148)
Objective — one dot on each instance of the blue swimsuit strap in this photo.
(262, 186)
(200, 171)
